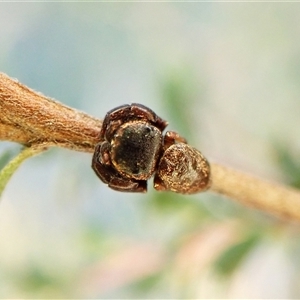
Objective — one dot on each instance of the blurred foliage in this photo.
(92, 238)
(166, 202)
(146, 284)
(233, 256)
(6, 156)
(36, 280)
(180, 92)
(288, 163)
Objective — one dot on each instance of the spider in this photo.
(131, 146)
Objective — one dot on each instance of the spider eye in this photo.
(147, 129)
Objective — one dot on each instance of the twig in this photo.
(32, 119)
(274, 198)
(29, 118)
(11, 167)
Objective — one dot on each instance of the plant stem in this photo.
(29, 118)
(11, 167)
(270, 197)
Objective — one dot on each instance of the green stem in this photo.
(12, 166)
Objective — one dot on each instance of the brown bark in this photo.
(254, 192)
(29, 118)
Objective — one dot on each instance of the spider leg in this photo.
(158, 183)
(103, 171)
(113, 118)
(128, 185)
(172, 137)
(104, 155)
(149, 115)
(125, 113)
(109, 175)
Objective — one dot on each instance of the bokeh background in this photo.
(227, 77)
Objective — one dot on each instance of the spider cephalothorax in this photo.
(131, 144)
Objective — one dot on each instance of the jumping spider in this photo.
(132, 147)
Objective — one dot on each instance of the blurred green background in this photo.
(227, 77)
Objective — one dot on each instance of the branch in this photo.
(31, 119)
(274, 198)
